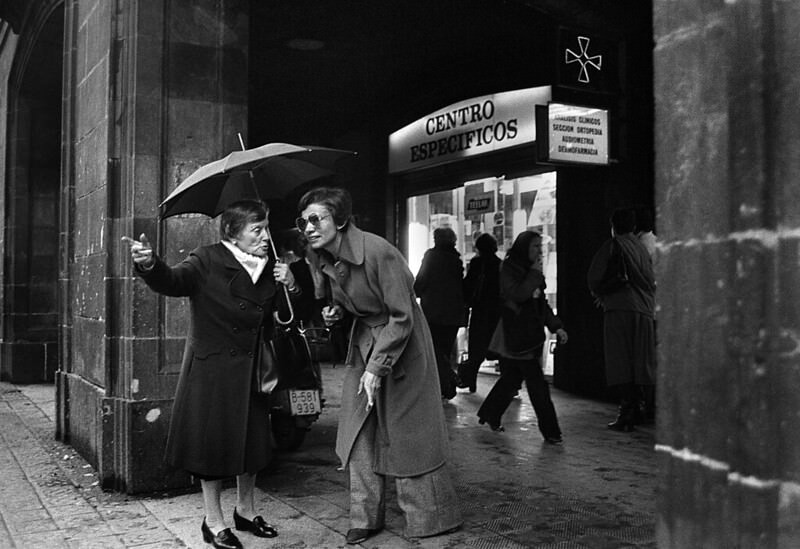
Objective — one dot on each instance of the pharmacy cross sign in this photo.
(583, 58)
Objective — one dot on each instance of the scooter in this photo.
(297, 401)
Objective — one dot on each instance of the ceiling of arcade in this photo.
(318, 67)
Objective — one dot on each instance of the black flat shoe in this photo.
(621, 425)
(357, 535)
(224, 540)
(258, 526)
(554, 440)
(495, 427)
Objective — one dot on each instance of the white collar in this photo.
(253, 264)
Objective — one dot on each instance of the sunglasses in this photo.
(301, 222)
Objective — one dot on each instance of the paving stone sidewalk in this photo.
(594, 491)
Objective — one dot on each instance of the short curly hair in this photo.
(238, 214)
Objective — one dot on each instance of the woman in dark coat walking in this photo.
(439, 287)
(219, 428)
(391, 423)
(482, 295)
(519, 337)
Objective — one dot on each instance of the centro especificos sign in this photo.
(467, 128)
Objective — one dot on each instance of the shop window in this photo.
(499, 206)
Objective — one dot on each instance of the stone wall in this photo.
(155, 90)
(726, 152)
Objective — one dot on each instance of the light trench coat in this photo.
(389, 338)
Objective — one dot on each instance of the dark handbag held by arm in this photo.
(284, 360)
(616, 274)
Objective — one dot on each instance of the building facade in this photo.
(107, 106)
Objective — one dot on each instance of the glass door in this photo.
(498, 206)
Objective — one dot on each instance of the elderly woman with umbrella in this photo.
(219, 427)
(391, 423)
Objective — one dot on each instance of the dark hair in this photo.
(444, 236)
(519, 250)
(644, 218)
(486, 244)
(623, 221)
(336, 199)
(237, 215)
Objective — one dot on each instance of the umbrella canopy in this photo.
(266, 172)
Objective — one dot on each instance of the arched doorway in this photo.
(30, 281)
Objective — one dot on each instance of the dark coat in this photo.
(439, 286)
(389, 338)
(639, 295)
(521, 311)
(217, 427)
(482, 283)
(629, 312)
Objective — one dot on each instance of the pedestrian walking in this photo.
(439, 287)
(391, 422)
(621, 279)
(482, 296)
(519, 337)
(219, 427)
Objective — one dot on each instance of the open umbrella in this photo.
(266, 172)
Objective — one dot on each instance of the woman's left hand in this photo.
(562, 335)
(370, 383)
(283, 274)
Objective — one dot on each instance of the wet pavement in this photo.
(596, 490)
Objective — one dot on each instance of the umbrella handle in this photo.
(285, 290)
(291, 310)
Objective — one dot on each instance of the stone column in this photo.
(727, 140)
(155, 89)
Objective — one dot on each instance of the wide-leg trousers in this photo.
(428, 501)
(512, 372)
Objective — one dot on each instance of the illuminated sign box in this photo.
(574, 134)
(468, 128)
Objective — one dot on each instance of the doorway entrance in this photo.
(498, 206)
(30, 303)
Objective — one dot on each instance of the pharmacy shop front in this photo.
(477, 167)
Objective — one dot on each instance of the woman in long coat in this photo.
(391, 423)
(629, 334)
(219, 428)
(482, 295)
(441, 295)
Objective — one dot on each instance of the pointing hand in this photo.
(141, 251)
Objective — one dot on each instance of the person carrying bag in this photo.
(519, 337)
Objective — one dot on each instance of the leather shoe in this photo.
(357, 535)
(224, 540)
(495, 427)
(258, 526)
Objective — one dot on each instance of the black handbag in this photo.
(521, 326)
(616, 276)
(284, 360)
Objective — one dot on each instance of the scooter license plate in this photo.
(304, 402)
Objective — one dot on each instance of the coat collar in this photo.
(240, 283)
(352, 248)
